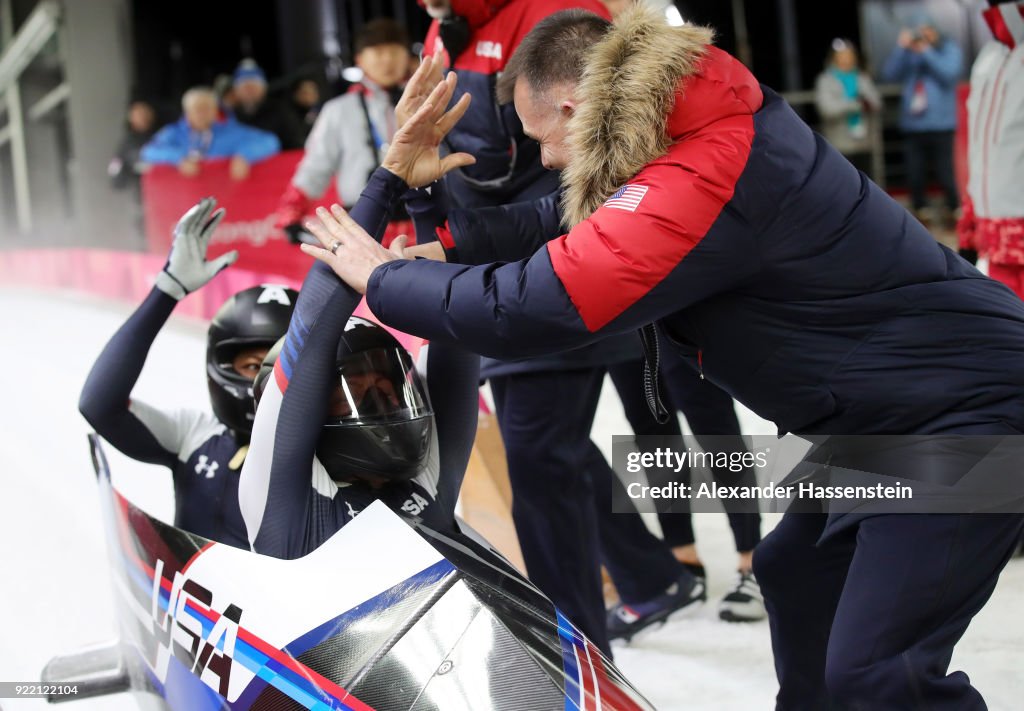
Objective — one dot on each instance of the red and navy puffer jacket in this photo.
(779, 270)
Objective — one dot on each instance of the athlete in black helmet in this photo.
(344, 420)
(203, 451)
(240, 333)
(379, 426)
(379, 437)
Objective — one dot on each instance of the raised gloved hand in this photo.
(187, 268)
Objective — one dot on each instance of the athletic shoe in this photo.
(682, 597)
(744, 602)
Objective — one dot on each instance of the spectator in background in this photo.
(305, 103)
(993, 219)
(928, 65)
(353, 131)
(847, 102)
(200, 135)
(126, 167)
(254, 108)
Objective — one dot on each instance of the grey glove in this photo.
(187, 268)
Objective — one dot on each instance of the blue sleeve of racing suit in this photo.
(275, 487)
(107, 390)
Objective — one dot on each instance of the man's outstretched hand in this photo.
(347, 249)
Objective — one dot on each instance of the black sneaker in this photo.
(744, 602)
(682, 597)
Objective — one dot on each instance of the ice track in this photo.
(55, 588)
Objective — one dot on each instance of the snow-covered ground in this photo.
(54, 587)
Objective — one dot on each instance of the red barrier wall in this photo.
(265, 255)
(248, 225)
(125, 276)
(128, 276)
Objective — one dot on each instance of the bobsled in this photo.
(387, 614)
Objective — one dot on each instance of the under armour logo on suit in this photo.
(205, 465)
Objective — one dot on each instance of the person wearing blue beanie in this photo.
(254, 108)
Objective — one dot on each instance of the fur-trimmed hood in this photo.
(632, 106)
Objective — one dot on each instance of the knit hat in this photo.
(248, 70)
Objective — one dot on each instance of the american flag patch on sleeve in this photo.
(627, 198)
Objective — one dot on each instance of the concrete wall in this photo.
(96, 42)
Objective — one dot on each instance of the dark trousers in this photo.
(557, 474)
(712, 417)
(935, 148)
(867, 619)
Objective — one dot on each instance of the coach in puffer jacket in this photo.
(700, 200)
(795, 282)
